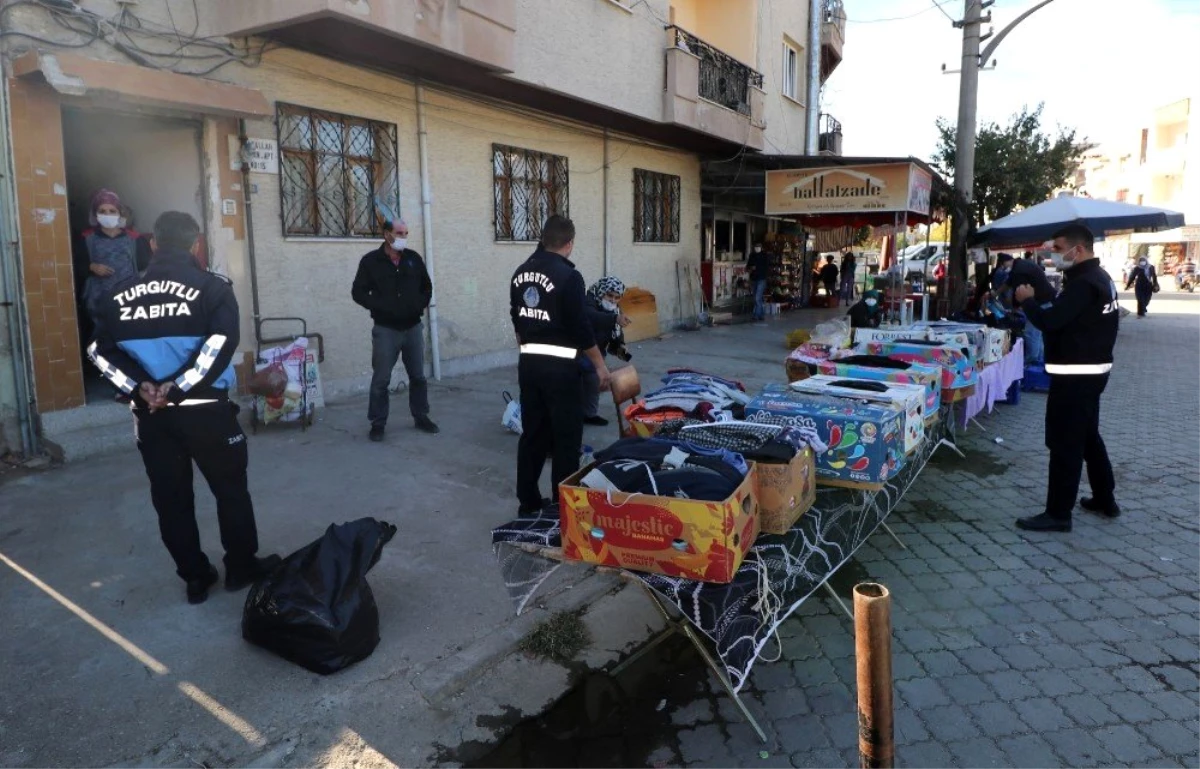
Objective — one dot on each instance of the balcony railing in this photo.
(829, 134)
(723, 79)
(835, 12)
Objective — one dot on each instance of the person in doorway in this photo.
(394, 285)
(1185, 275)
(849, 265)
(757, 267)
(546, 304)
(1144, 282)
(108, 253)
(608, 324)
(866, 313)
(167, 339)
(1080, 328)
(829, 276)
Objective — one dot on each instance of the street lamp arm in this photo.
(987, 52)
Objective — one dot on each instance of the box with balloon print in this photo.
(679, 537)
(957, 363)
(880, 369)
(866, 441)
(909, 398)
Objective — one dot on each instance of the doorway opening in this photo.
(153, 164)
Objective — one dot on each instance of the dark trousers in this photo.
(1073, 437)
(1143, 298)
(551, 423)
(169, 441)
(589, 388)
(387, 346)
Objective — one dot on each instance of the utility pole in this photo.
(964, 143)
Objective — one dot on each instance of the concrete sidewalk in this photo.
(105, 664)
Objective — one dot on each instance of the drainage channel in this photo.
(621, 719)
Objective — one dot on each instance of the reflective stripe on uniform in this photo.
(1077, 369)
(194, 402)
(549, 349)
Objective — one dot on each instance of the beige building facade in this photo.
(473, 119)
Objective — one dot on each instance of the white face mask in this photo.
(400, 243)
(1143, 263)
(1064, 261)
(869, 302)
(609, 305)
(109, 221)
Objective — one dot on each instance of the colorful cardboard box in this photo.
(909, 398)
(785, 491)
(891, 334)
(866, 441)
(689, 538)
(887, 370)
(958, 366)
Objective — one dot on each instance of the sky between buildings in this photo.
(1100, 66)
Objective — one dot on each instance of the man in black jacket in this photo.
(1080, 328)
(394, 285)
(167, 340)
(546, 303)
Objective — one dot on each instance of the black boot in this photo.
(1044, 522)
(1111, 510)
(240, 577)
(197, 589)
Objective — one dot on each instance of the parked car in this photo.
(920, 260)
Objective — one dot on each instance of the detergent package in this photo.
(865, 440)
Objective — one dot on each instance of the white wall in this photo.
(785, 118)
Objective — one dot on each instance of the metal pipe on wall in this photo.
(604, 208)
(812, 112)
(427, 228)
(11, 285)
(251, 264)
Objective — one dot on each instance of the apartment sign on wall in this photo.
(262, 155)
(849, 190)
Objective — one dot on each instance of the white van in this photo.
(920, 259)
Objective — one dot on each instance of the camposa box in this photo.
(909, 398)
(690, 538)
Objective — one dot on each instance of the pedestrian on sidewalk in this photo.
(393, 283)
(546, 303)
(167, 339)
(849, 265)
(757, 267)
(1144, 282)
(829, 276)
(608, 324)
(1080, 328)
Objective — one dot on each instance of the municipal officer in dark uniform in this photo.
(167, 340)
(1080, 328)
(546, 299)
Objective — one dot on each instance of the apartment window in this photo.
(790, 85)
(1145, 146)
(655, 207)
(332, 169)
(528, 188)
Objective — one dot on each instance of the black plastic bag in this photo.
(316, 608)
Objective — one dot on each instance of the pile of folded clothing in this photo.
(667, 468)
(688, 393)
(756, 441)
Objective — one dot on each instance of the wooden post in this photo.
(873, 650)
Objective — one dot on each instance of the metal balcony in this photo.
(833, 36)
(709, 91)
(829, 137)
(723, 79)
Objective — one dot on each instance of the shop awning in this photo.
(821, 191)
(73, 74)
(1177, 235)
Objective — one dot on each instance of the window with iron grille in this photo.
(528, 187)
(655, 207)
(331, 169)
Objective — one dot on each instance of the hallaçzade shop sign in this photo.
(848, 189)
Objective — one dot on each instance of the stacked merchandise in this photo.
(663, 506)
(959, 374)
(687, 394)
(783, 280)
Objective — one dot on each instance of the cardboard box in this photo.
(786, 491)
(866, 441)
(909, 398)
(930, 377)
(688, 538)
(957, 364)
(642, 309)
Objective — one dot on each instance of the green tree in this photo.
(1016, 165)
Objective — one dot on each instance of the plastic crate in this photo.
(1036, 379)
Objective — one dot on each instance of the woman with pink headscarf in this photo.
(109, 253)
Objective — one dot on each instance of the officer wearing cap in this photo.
(1080, 327)
(546, 302)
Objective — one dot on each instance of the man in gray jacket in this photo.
(393, 283)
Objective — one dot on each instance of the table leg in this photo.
(892, 534)
(839, 600)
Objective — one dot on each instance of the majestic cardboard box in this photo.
(866, 441)
(909, 398)
(688, 538)
(786, 491)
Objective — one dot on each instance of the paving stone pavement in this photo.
(1012, 648)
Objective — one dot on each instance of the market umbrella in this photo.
(1038, 223)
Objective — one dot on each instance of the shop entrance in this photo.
(154, 164)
